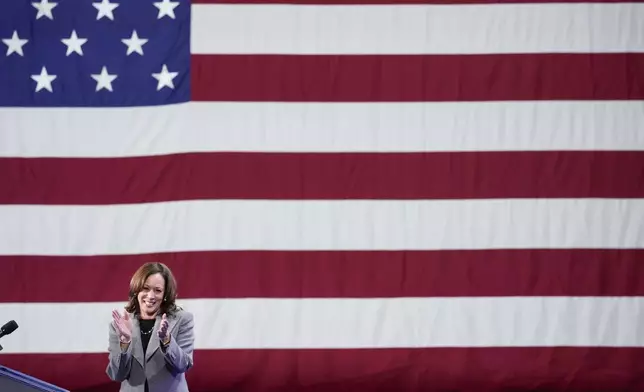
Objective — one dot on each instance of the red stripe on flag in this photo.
(401, 78)
(488, 369)
(333, 274)
(473, 175)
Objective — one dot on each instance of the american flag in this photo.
(399, 195)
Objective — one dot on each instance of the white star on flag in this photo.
(15, 44)
(166, 7)
(44, 9)
(134, 44)
(104, 80)
(74, 44)
(44, 80)
(165, 78)
(105, 9)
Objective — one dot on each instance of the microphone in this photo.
(8, 328)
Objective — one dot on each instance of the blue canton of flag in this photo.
(94, 52)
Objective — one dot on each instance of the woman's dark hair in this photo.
(137, 282)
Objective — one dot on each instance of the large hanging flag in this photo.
(401, 195)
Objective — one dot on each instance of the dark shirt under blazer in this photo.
(164, 371)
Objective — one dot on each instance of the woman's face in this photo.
(151, 295)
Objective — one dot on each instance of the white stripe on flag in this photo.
(322, 127)
(417, 29)
(350, 323)
(321, 225)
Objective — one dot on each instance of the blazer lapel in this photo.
(154, 344)
(137, 349)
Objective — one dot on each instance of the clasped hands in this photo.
(123, 324)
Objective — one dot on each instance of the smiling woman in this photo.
(153, 290)
(151, 343)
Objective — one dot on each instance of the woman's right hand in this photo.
(123, 325)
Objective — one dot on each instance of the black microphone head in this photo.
(9, 327)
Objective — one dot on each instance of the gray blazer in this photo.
(165, 372)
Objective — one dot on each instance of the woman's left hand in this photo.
(163, 330)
